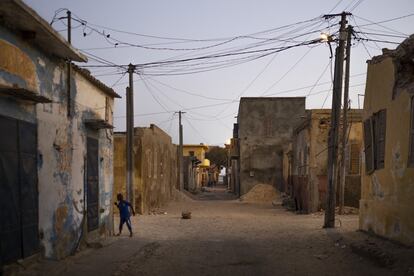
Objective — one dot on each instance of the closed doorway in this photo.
(92, 171)
(19, 237)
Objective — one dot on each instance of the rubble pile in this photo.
(261, 193)
(179, 196)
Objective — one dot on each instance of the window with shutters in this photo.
(374, 138)
(369, 146)
(379, 138)
(411, 140)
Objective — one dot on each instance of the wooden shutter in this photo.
(380, 133)
(369, 148)
(411, 140)
(354, 158)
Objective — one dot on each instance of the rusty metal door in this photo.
(92, 183)
(18, 190)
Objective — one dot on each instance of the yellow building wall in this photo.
(387, 205)
(199, 151)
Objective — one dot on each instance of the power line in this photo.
(153, 95)
(271, 50)
(188, 92)
(115, 83)
(356, 5)
(350, 4)
(337, 4)
(379, 34)
(287, 72)
(319, 78)
(384, 21)
(191, 125)
(187, 39)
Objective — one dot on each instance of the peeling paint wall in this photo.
(265, 130)
(310, 159)
(61, 141)
(387, 194)
(155, 167)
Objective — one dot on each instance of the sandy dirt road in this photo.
(229, 237)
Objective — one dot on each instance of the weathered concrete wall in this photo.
(387, 194)
(61, 141)
(265, 129)
(310, 159)
(155, 167)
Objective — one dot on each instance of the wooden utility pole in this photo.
(130, 135)
(342, 173)
(69, 67)
(180, 151)
(335, 118)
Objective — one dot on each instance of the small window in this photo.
(268, 129)
(411, 140)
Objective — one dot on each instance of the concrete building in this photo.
(155, 167)
(200, 166)
(56, 146)
(388, 171)
(307, 161)
(265, 127)
(198, 151)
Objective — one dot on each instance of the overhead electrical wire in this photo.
(384, 21)
(287, 72)
(319, 78)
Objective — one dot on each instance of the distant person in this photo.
(124, 213)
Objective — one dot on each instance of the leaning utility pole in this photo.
(342, 172)
(130, 135)
(180, 152)
(335, 116)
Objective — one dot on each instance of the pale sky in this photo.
(200, 20)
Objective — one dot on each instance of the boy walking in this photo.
(124, 213)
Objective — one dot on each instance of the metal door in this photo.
(18, 190)
(92, 183)
(28, 187)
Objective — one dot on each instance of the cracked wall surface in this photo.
(310, 159)
(61, 141)
(155, 167)
(265, 130)
(387, 194)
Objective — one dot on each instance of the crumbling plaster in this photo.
(61, 142)
(265, 130)
(386, 204)
(155, 167)
(310, 155)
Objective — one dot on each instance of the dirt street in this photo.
(229, 237)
